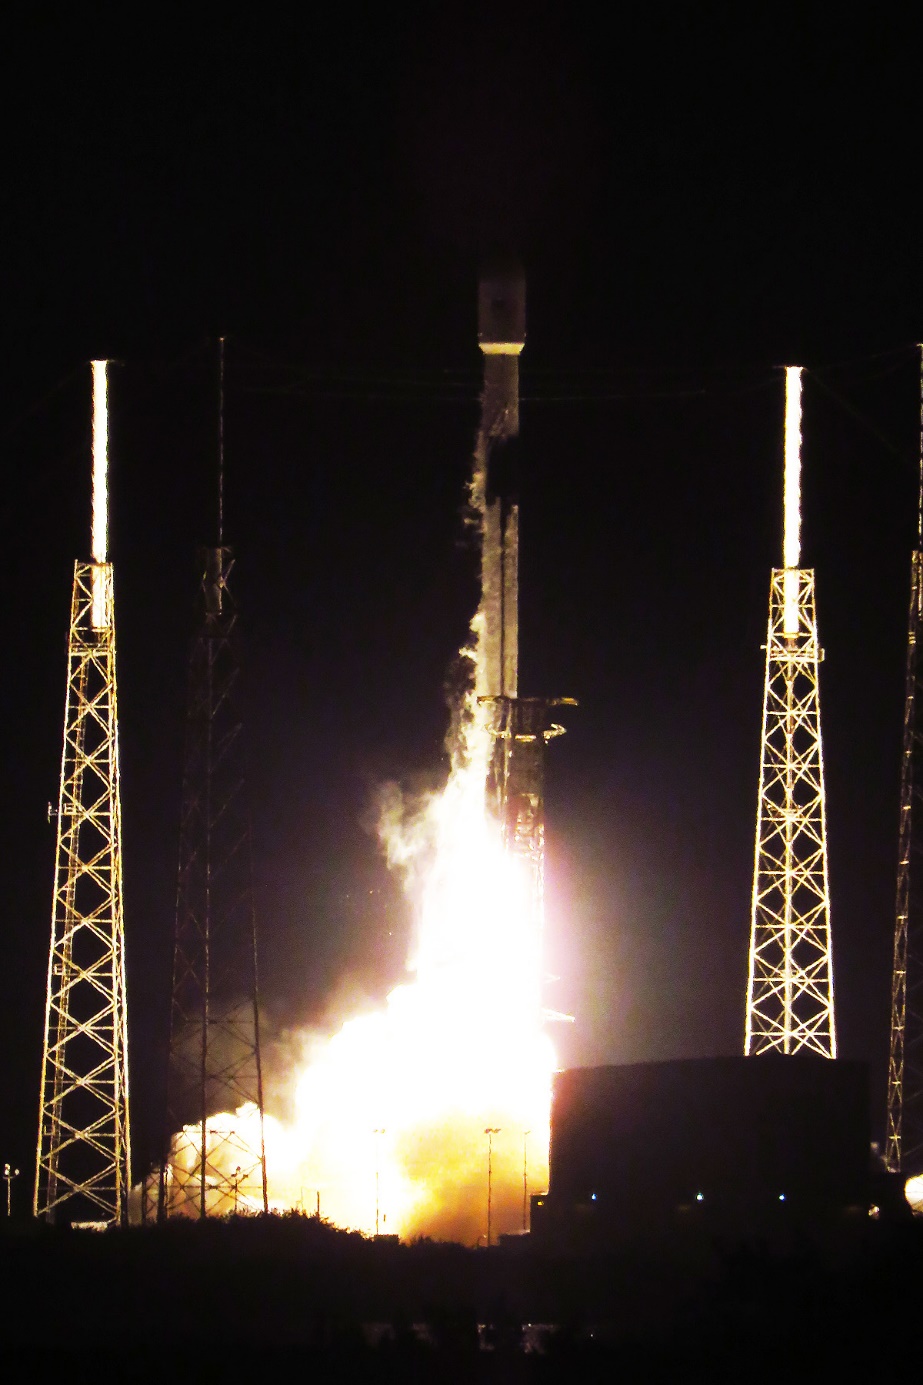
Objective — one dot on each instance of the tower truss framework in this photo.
(83, 1153)
(790, 987)
(215, 1157)
(904, 1141)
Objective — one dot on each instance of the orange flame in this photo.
(391, 1112)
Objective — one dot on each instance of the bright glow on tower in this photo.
(791, 547)
(100, 534)
(83, 1156)
(790, 987)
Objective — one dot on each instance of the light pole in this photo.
(490, 1131)
(378, 1132)
(525, 1179)
(237, 1178)
(9, 1173)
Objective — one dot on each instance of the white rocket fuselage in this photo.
(501, 335)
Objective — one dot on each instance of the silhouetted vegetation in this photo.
(232, 1300)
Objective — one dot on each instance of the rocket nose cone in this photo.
(502, 308)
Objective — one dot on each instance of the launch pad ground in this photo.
(228, 1301)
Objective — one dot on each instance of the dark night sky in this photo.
(694, 209)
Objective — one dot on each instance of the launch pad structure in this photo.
(790, 984)
(520, 726)
(904, 1138)
(83, 1155)
(214, 1157)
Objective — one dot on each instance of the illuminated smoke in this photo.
(399, 1100)
(391, 1111)
(227, 1188)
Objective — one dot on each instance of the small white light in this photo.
(592, 1197)
(781, 1197)
(700, 1197)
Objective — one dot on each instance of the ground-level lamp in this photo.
(9, 1173)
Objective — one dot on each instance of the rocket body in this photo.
(501, 336)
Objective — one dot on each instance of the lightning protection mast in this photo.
(214, 1159)
(520, 726)
(790, 990)
(904, 1142)
(82, 1170)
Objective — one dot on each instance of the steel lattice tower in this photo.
(214, 1140)
(790, 988)
(904, 1142)
(83, 1153)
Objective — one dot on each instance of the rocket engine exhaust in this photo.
(430, 1116)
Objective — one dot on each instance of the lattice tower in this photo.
(215, 1152)
(83, 1154)
(904, 1141)
(790, 1003)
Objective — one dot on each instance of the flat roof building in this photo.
(739, 1145)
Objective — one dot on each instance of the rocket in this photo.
(520, 727)
(501, 337)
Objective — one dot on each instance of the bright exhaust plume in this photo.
(391, 1111)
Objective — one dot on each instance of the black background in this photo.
(696, 206)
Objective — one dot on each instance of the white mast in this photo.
(791, 544)
(100, 529)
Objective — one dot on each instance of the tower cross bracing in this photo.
(790, 992)
(215, 1160)
(790, 999)
(83, 1155)
(904, 1139)
(83, 1148)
